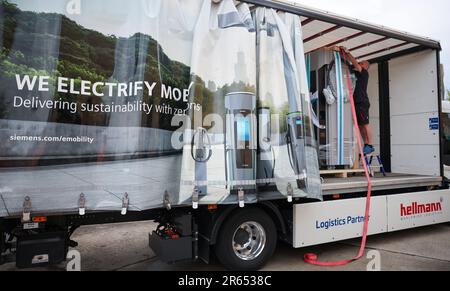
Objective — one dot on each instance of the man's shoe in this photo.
(368, 150)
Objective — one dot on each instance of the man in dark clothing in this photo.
(362, 103)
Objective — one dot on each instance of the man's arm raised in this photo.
(352, 59)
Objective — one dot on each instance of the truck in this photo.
(98, 110)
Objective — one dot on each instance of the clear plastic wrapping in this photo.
(337, 143)
(161, 101)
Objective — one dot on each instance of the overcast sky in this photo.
(429, 18)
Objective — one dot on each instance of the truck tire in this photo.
(247, 240)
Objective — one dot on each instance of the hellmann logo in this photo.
(416, 208)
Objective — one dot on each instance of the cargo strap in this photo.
(26, 213)
(125, 203)
(290, 192)
(82, 205)
(166, 201)
(241, 197)
(195, 198)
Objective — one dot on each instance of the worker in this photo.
(362, 103)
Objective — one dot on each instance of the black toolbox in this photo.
(171, 250)
(42, 249)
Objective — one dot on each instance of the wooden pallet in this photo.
(341, 173)
(348, 172)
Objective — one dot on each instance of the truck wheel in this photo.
(247, 240)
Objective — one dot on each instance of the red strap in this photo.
(313, 258)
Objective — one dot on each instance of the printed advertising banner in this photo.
(153, 102)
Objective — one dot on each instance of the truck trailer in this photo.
(99, 122)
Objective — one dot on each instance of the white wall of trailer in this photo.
(331, 221)
(374, 97)
(413, 104)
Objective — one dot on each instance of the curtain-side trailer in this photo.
(63, 167)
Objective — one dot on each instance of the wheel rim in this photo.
(249, 240)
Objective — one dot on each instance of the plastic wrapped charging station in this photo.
(337, 141)
(154, 105)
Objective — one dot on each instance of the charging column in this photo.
(241, 142)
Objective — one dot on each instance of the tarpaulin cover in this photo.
(151, 99)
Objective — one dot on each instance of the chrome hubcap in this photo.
(249, 240)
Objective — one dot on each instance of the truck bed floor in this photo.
(392, 181)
